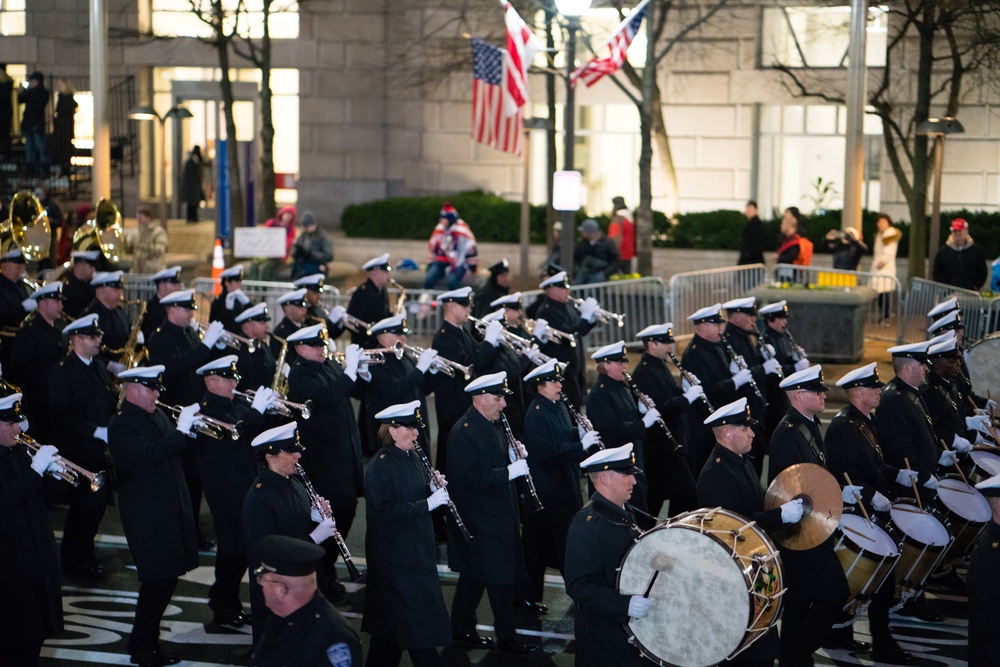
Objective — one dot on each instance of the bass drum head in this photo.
(702, 603)
(964, 500)
(869, 536)
(919, 525)
(983, 359)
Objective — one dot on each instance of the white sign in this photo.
(249, 242)
(567, 187)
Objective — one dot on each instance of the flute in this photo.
(514, 445)
(317, 502)
(650, 405)
(434, 477)
(692, 380)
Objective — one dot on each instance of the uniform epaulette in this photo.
(465, 425)
(259, 484)
(381, 456)
(538, 407)
(789, 425)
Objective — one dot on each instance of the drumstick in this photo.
(858, 496)
(913, 483)
(659, 564)
(989, 424)
(960, 473)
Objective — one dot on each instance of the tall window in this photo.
(12, 17)
(175, 18)
(819, 36)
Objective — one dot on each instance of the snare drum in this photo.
(926, 539)
(867, 552)
(718, 587)
(966, 510)
(984, 462)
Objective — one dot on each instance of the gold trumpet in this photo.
(441, 364)
(283, 407)
(213, 428)
(231, 340)
(371, 357)
(71, 472)
(604, 316)
(550, 333)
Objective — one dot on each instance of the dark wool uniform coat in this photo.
(256, 368)
(501, 358)
(114, 324)
(156, 314)
(12, 313)
(614, 413)
(285, 329)
(38, 347)
(983, 585)
(395, 382)
(403, 599)
(566, 318)
(218, 312)
(181, 352)
(852, 448)
(709, 362)
(317, 635)
(369, 304)
(77, 295)
(152, 495)
(905, 432)
(943, 407)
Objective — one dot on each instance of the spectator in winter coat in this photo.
(960, 262)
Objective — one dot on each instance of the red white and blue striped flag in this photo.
(522, 45)
(491, 124)
(618, 44)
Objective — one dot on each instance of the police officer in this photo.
(78, 292)
(983, 584)
(227, 470)
(314, 286)
(482, 487)
(153, 502)
(598, 538)
(496, 286)
(295, 309)
(166, 281)
(83, 394)
(108, 290)
(232, 301)
(303, 627)
(370, 301)
(31, 604)
(404, 607)
(256, 366)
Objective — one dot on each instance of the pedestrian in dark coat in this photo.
(404, 607)
(558, 313)
(35, 98)
(64, 126)
(31, 604)
(370, 301)
(6, 110)
(192, 190)
(960, 262)
(752, 243)
(153, 502)
(983, 585)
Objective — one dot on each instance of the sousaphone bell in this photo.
(27, 229)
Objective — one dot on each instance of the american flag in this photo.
(522, 45)
(618, 44)
(491, 125)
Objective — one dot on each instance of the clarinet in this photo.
(314, 498)
(434, 477)
(742, 363)
(512, 443)
(650, 405)
(797, 351)
(692, 380)
(579, 419)
(764, 351)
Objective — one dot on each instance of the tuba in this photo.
(27, 229)
(103, 232)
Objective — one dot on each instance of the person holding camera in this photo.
(847, 248)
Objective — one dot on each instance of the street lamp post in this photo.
(572, 10)
(937, 128)
(147, 112)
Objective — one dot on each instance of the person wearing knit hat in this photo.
(312, 251)
(594, 256)
(960, 262)
(497, 285)
(370, 301)
(983, 583)
(453, 250)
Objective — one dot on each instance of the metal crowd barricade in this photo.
(138, 289)
(693, 290)
(992, 316)
(878, 323)
(922, 295)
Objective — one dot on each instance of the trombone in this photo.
(442, 364)
(231, 340)
(283, 407)
(550, 333)
(604, 316)
(213, 428)
(371, 357)
(71, 472)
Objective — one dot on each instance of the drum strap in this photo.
(816, 446)
(948, 395)
(866, 431)
(918, 400)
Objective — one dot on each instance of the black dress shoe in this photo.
(892, 655)
(85, 571)
(515, 646)
(949, 581)
(205, 543)
(473, 639)
(146, 660)
(846, 643)
(533, 607)
(165, 658)
(919, 611)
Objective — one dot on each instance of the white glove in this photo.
(352, 358)
(433, 486)
(101, 433)
(337, 314)
(29, 305)
(286, 369)
(315, 515)
(694, 393)
(734, 368)
(981, 439)
(426, 359)
(521, 453)
(641, 406)
(588, 310)
(187, 417)
(961, 445)
(931, 482)
(791, 512)
(906, 477)
(541, 326)
(492, 335)
(234, 296)
(115, 367)
(770, 350)
(685, 385)
(580, 431)
(263, 399)
(639, 606)
(323, 531)
(948, 458)
(212, 334)
(742, 378)
(437, 499)
(801, 365)
(772, 367)
(881, 503)
(46, 456)
(650, 417)
(850, 494)
(990, 405)
(978, 423)
(517, 469)
(140, 339)
(589, 439)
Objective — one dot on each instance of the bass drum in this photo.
(925, 541)
(717, 580)
(983, 359)
(867, 551)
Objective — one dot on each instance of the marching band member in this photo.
(303, 628)
(557, 312)
(983, 584)
(854, 451)
(167, 282)
(278, 504)
(817, 587)
(952, 321)
(940, 394)
(615, 410)
(31, 604)
(83, 394)
(370, 301)
(730, 481)
(513, 313)
(256, 367)
(314, 286)
(153, 502)
(228, 469)
(294, 306)
(501, 358)
(78, 292)
(232, 301)
(598, 538)
(13, 291)
(495, 287)
(331, 436)
(482, 487)
(556, 446)
(404, 607)
(38, 346)
(776, 335)
(670, 475)
(108, 290)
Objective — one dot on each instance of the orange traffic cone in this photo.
(218, 266)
